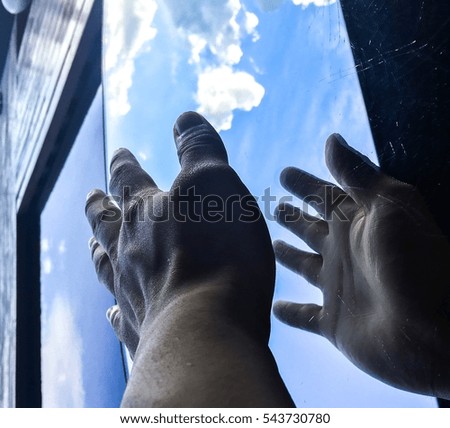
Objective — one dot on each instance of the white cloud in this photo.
(251, 22)
(45, 245)
(270, 5)
(198, 44)
(62, 247)
(221, 90)
(209, 25)
(306, 3)
(47, 266)
(214, 31)
(142, 155)
(62, 381)
(128, 29)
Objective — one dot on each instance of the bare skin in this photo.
(383, 267)
(193, 289)
(194, 295)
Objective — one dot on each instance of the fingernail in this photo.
(340, 139)
(111, 313)
(91, 242)
(187, 121)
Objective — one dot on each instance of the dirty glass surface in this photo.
(81, 360)
(275, 78)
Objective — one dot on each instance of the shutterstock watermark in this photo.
(189, 205)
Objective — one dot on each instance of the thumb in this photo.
(123, 330)
(197, 141)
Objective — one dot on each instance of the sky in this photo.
(275, 77)
(81, 364)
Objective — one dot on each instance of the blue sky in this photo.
(276, 78)
(81, 362)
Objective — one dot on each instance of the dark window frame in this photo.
(403, 64)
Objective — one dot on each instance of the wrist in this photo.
(195, 352)
(209, 302)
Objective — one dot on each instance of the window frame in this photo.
(73, 94)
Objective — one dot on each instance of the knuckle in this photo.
(111, 213)
(101, 211)
(96, 221)
(102, 265)
(135, 210)
(113, 316)
(120, 170)
(93, 245)
(99, 256)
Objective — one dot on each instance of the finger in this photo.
(104, 216)
(304, 316)
(197, 141)
(128, 179)
(308, 265)
(307, 227)
(102, 264)
(325, 197)
(354, 171)
(122, 329)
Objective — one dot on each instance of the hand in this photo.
(192, 270)
(159, 244)
(382, 265)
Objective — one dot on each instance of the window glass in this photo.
(275, 77)
(80, 357)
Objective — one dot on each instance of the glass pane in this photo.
(275, 77)
(81, 358)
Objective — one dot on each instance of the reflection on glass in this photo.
(81, 360)
(275, 77)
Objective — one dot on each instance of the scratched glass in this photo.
(275, 78)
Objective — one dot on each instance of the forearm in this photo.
(194, 354)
